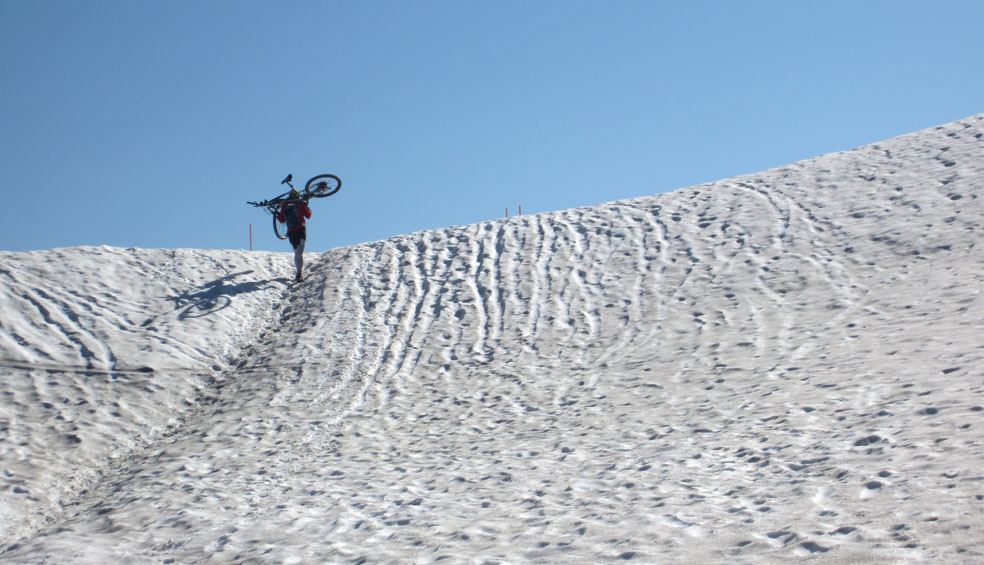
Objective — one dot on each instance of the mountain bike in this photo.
(320, 186)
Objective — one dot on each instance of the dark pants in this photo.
(297, 239)
(297, 236)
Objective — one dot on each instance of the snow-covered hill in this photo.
(776, 366)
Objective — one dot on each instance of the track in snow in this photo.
(774, 366)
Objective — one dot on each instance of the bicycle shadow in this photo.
(218, 294)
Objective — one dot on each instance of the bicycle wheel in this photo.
(280, 230)
(323, 185)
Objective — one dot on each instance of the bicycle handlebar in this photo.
(278, 200)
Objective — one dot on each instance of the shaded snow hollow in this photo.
(784, 365)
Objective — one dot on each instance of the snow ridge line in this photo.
(101, 479)
(393, 439)
(56, 368)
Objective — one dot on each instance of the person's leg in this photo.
(298, 238)
(299, 257)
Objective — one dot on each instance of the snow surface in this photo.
(780, 366)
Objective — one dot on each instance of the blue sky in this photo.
(150, 124)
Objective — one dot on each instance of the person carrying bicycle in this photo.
(294, 212)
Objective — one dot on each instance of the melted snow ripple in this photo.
(775, 366)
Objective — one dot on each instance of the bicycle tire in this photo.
(277, 227)
(322, 186)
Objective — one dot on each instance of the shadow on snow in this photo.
(217, 295)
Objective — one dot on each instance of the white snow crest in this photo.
(771, 367)
(102, 349)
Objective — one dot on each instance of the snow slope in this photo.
(778, 366)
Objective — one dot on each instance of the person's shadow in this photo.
(217, 295)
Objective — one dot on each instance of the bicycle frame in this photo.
(320, 186)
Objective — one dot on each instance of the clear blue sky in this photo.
(150, 123)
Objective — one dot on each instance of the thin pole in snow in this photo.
(251, 237)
